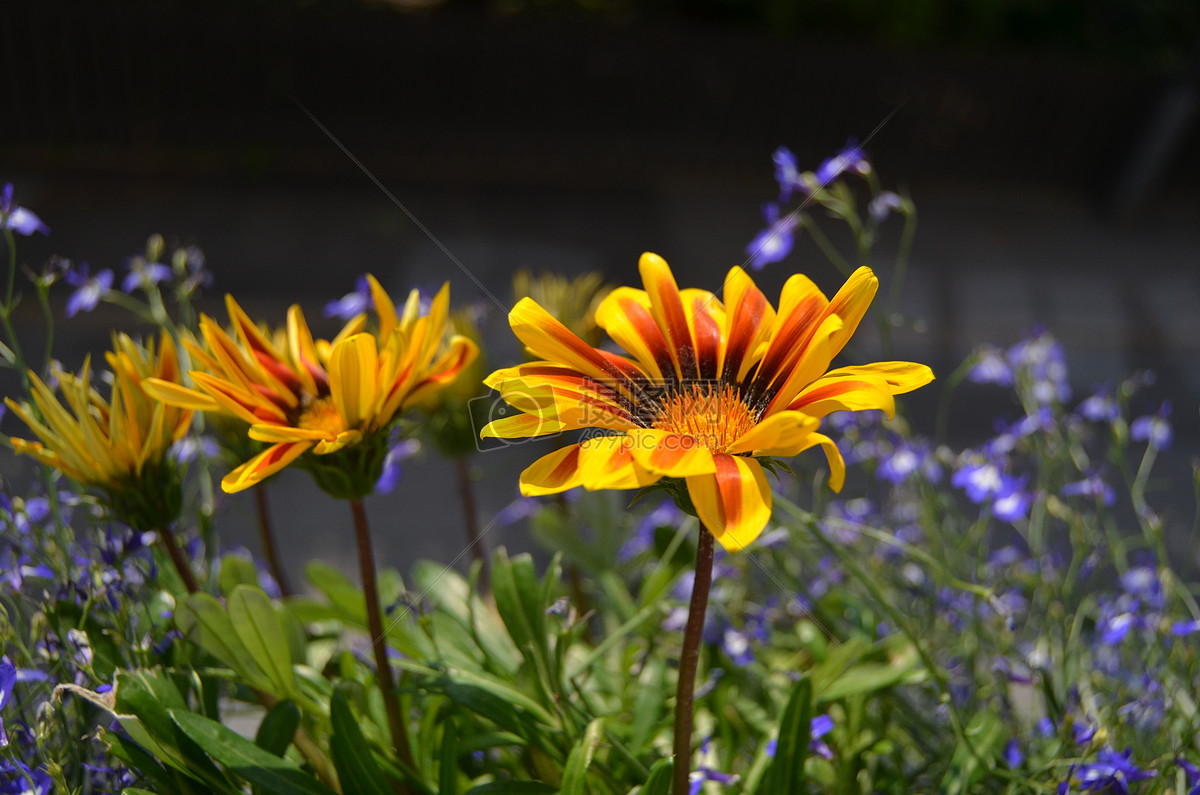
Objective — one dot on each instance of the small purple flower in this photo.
(392, 469)
(817, 728)
(1092, 486)
(1013, 757)
(981, 481)
(990, 368)
(8, 678)
(787, 173)
(18, 219)
(1142, 582)
(850, 158)
(1191, 773)
(88, 289)
(1181, 628)
(776, 241)
(666, 514)
(884, 204)
(1043, 364)
(737, 647)
(351, 304)
(1154, 428)
(1100, 407)
(518, 509)
(1111, 772)
(144, 275)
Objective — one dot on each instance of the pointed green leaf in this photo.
(261, 632)
(448, 761)
(278, 727)
(356, 767)
(236, 570)
(795, 734)
(659, 782)
(204, 622)
(247, 760)
(575, 773)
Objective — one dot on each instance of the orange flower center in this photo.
(712, 414)
(321, 415)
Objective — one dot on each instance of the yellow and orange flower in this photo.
(318, 396)
(707, 388)
(116, 445)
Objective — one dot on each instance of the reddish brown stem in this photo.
(387, 683)
(466, 493)
(266, 533)
(177, 558)
(688, 658)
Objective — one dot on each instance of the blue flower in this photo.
(1112, 772)
(351, 304)
(850, 158)
(1154, 429)
(666, 514)
(23, 781)
(1181, 628)
(1092, 486)
(1100, 407)
(776, 241)
(144, 275)
(392, 470)
(990, 367)
(89, 289)
(1043, 364)
(1142, 582)
(1191, 773)
(787, 173)
(981, 481)
(18, 219)
(817, 728)
(883, 204)
(906, 459)
(8, 678)
(1013, 757)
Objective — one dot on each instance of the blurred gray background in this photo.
(1052, 151)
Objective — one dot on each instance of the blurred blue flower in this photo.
(1013, 757)
(776, 241)
(1092, 486)
(88, 289)
(18, 219)
(17, 778)
(990, 367)
(1191, 773)
(817, 728)
(1143, 582)
(518, 509)
(1042, 363)
(883, 204)
(8, 678)
(1100, 407)
(908, 458)
(850, 158)
(981, 480)
(144, 275)
(392, 469)
(1181, 628)
(787, 173)
(1112, 772)
(353, 303)
(1154, 429)
(665, 514)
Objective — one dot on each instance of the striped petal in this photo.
(706, 318)
(385, 308)
(552, 473)
(521, 426)
(901, 377)
(734, 502)
(837, 464)
(783, 434)
(461, 352)
(749, 320)
(850, 392)
(671, 454)
(179, 396)
(263, 465)
(851, 303)
(605, 462)
(667, 307)
(625, 315)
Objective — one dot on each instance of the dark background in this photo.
(1052, 150)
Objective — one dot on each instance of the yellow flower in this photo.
(709, 387)
(305, 395)
(117, 445)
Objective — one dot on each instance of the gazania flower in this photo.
(321, 397)
(708, 388)
(116, 445)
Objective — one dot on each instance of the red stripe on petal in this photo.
(708, 340)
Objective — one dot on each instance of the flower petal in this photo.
(672, 454)
(605, 462)
(901, 377)
(667, 307)
(625, 315)
(749, 320)
(846, 392)
(179, 396)
(263, 465)
(552, 473)
(520, 426)
(353, 385)
(851, 303)
(783, 434)
(734, 502)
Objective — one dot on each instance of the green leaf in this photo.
(575, 773)
(659, 782)
(448, 759)
(246, 759)
(136, 791)
(513, 788)
(868, 677)
(261, 632)
(795, 734)
(278, 727)
(648, 705)
(987, 733)
(236, 570)
(352, 757)
(204, 622)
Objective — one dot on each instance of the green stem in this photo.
(688, 659)
(827, 248)
(387, 682)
